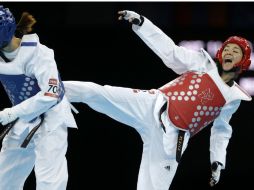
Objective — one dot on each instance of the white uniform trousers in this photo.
(45, 153)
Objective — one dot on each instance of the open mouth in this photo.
(227, 61)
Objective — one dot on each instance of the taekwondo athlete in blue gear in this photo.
(30, 77)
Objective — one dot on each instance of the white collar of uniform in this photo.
(208, 57)
(240, 93)
(30, 38)
(16, 66)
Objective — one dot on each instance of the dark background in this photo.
(90, 44)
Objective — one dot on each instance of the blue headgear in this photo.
(7, 26)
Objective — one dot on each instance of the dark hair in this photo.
(25, 24)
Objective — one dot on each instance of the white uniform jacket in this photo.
(180, 60)
(37, 61)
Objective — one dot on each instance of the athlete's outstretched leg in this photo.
(129, 106)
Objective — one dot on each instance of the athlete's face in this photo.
(231, 55)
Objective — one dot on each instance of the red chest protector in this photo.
(194, 101)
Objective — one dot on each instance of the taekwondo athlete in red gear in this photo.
(205, 92)
(30, 77)
(205, 89)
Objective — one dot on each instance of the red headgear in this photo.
(243, 43)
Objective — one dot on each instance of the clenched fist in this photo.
(131, 16)
(216, 169)
(7, 116)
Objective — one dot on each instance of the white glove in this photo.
(216, 168)
(131, 16)
(7, 116)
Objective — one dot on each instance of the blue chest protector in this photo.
(22, 87)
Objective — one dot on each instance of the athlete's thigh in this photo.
(126, 105)
(51, 146)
